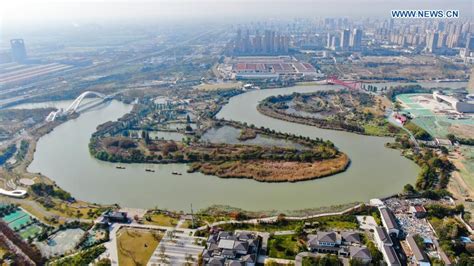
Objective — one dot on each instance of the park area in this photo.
(135, 246)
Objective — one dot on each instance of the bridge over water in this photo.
(74, 106)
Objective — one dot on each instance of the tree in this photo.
(162, 255)
(189, 260)
(444, 150)
(409, 189)
(356, 262)
(397, 106)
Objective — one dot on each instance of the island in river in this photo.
(301, 159)
(352, 111)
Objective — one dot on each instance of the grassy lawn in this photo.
(321, 223)
(261, 227)
(160, 219)
(284, 247)
(374, 130)
(73, 210)
(135, 246)
(189, 224)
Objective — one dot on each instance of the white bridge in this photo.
(75, 104)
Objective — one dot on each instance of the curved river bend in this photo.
(63, 156)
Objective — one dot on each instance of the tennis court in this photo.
(13, 216)
(30, 231)
(18, 223)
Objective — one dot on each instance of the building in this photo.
(18, 50)
(390, 256)
(432, 42)
(272, 67)
(345, 39)
(324, 242)
(361, 254)
(418, 256)
(350, 238)
(356, 39)
(382, 238)
(389, 221)
(268, 44)
(470, 45)
(418, 211)
(116, 217)
(227, 248)
(460, 105)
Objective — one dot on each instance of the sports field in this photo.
(14, 216)
(18, 223)
(30, 231)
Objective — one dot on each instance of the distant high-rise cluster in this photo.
(268, 43)
(434, 37)
(345, 40)
(18, 50)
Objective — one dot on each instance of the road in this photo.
(392, 121)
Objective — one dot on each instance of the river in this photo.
(63, 156)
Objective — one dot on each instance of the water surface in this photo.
(63, 156)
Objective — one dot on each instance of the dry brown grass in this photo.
(277, 171)
(463, 131)
(135, 246)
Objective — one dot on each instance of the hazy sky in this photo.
(42, 11)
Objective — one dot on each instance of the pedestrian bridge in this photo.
(75, 104)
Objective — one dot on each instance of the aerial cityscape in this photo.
(240, 132)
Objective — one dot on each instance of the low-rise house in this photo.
(382, 239)
(326, 242)
(350, 238)
(389, 221)
(418, 211)
(390, 256)
(361, 254)
(116, 217)
(227, 248)
(418, 256)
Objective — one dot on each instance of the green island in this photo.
(352, 111)
(302, 159)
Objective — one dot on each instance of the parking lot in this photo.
(176, 250)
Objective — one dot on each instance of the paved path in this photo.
(177, 247)
(176, 250)
(274, 218)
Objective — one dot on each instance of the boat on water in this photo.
(120, 167)
(176, 173)
(149, 170)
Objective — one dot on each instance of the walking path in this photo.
(178, 247)
(274, 218)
